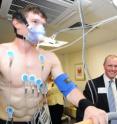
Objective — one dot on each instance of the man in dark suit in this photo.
(96, 90)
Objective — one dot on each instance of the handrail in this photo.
(112, 116)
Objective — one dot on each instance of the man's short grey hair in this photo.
(109, 57)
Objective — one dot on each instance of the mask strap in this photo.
(20, 36)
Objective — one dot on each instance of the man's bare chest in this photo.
(14, 69)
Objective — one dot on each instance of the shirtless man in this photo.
(24, 69)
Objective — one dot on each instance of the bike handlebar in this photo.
(112, 116)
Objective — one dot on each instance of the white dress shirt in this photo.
(106, 81)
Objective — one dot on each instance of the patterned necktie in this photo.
(111, 98)
(111, 101)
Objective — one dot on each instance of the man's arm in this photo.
(98, 116)
(74, 95)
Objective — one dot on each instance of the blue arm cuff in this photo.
(64, 84)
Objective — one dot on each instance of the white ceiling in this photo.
(64, 13)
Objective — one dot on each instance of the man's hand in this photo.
(98, 116)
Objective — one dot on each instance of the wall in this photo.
(94, 55)
(7, 32)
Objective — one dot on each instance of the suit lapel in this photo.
(103, 96)
(116, 82)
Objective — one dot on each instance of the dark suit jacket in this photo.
(100, 100)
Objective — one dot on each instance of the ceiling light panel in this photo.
(52, 9)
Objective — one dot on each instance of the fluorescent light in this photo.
(114, 2)
(57, 44)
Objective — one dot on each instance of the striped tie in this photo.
(111, 98)
(111, 101)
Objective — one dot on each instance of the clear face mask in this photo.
(35, 33)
